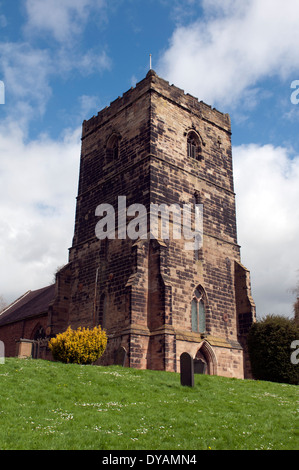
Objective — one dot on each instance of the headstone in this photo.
(2, 353)
(200, 366)
(187, 370)
(120, 356)
(24, 348)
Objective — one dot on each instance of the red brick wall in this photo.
(25, 329)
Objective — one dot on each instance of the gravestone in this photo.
(2, 353)
(120, 356)
(200, 366)
(24, 348)
(187, 370)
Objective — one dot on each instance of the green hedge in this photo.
(269, 346)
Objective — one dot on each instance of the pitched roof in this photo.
(30, 304)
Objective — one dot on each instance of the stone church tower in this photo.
(155, 298)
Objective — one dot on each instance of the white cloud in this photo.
(28, 69)
(267, 195)
(63, 19)
(3, 21)
(26, 72)
(88, 104)
(221, 57)
(91, 62)
(38, 178)
(38, 186)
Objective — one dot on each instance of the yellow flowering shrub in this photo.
(81, 346)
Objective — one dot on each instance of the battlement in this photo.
(153, 83)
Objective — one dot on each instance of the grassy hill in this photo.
(47, 405)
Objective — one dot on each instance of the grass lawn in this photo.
(49, 405)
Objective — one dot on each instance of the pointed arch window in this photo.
(113, 148)
(198, 311)
(193, 146)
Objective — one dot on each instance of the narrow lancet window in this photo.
(193, 146)
(198, 311)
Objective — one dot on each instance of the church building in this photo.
(155, 154)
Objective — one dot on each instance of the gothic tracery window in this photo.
(198, 311)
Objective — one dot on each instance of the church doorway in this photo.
(205, 361)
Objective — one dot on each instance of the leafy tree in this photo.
(269, 346)
(296, 305)
(296, 311)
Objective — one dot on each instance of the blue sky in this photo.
(62, 61)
